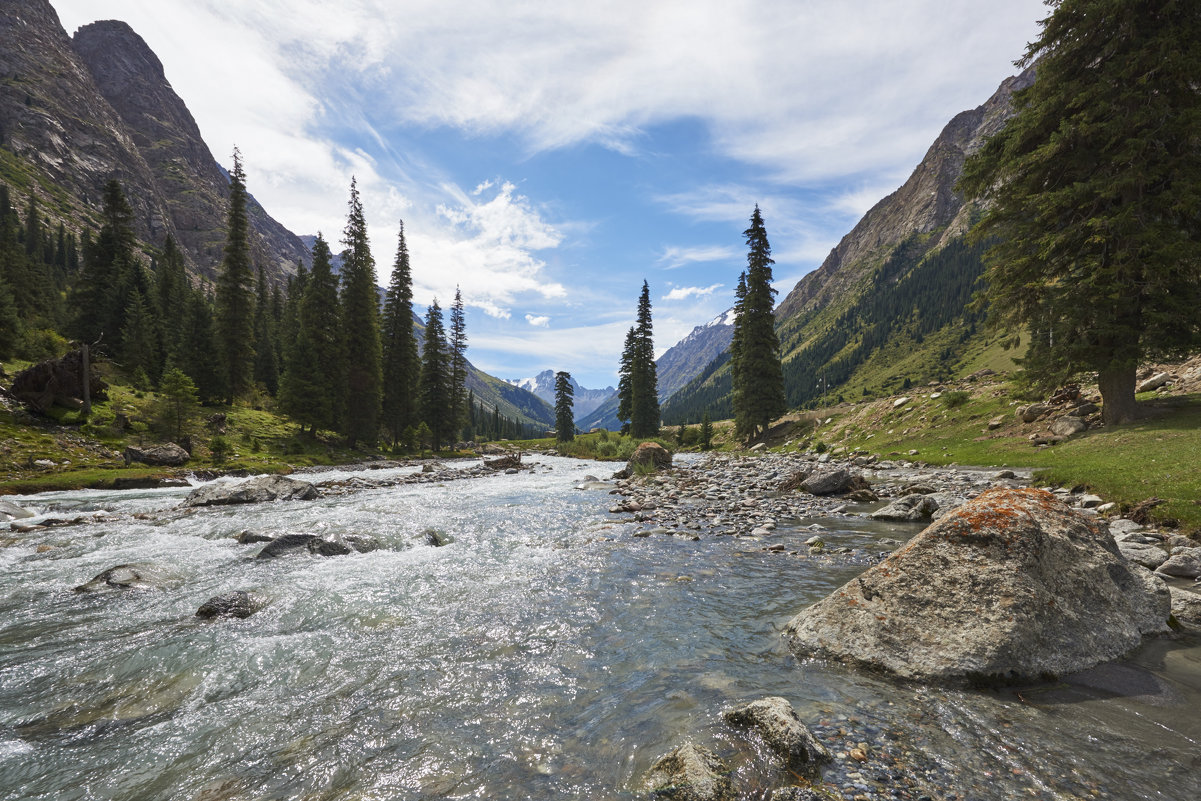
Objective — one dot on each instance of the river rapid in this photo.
(545, 653)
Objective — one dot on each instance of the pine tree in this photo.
(177, 404)
(235, 292)
(266, 369)
(360, 328)
(637, 386)
(706, 432)
(11, 327)
(172, 288)
(196, 351)
(458, 363)
(101, 292)
(313, 384)
(435, 390)
(758, 379)
(402, 364)
(1091, 191)
(139, 342)
(564, 400)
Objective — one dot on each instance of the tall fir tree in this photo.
(638, 384)
(401, 362)
(99, 296)
(266, 368)
(564, 402)
(196, 353)
(758, 379)
(139, 342)
(235, 292)
(312, 387)
(1091, 193)
(457, 347)
(360, 329)
(171, 290)
(435, 390)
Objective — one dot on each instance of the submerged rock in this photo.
(127, 577)
(297, 543)
(777, 722)
(260, 489)
(436, 538)
(1012, 586)
(690, 773)
(10, 511)
(238, 603)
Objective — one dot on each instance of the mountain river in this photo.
(545, 653)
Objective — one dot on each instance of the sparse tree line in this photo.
(320, 344)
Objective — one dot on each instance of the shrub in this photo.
(954, 399)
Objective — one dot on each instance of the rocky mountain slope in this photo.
(585, 400)
(888, 306)
(76, 113)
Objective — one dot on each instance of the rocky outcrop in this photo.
(57, 382)
(777, 723)
(167, 454)
(261, 489)
(690, 773)
(1011, 586)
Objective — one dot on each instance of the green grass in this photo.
(1155, 457)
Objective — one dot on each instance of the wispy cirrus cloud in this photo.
(676, 256)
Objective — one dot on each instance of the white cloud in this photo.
(684, 292)
(675, 256)
(541, 320)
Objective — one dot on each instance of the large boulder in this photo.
(647, 456)
(1012, 586)
(778, 724)
(238, 603)
(10, 511)
(690, 773)
(57, 382)
(833, 482)
(166, 455)
(260, 489)
(1068, 425)
(1183, 563)
(1186, 607)
(910, 508)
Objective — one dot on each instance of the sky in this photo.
(547, 157)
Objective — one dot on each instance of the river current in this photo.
(544, 653)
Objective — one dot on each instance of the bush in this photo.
(954, 399)
(37, 344)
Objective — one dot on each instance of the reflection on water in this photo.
(545, 653)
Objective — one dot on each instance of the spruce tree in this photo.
(312, 386)
(625, 371)
(101, 292)
(758, 379)
(171, 290)
(139, 342)
(643, 381)
(235, 292)
(435, 389)
(360, 330)
(706, 432)
(1091, 193)
(401, 362)
(196, 351)
(266, 369)
(458, 363)
(564, 400)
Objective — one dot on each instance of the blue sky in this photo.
(549, 156)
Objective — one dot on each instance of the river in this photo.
(545, 653)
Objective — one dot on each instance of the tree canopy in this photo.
(1091, 192)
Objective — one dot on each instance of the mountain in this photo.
(585, 400)
(76, 113)
(684, 360)
(889, 306)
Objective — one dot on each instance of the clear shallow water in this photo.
(528, 659)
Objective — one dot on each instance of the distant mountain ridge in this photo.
(584, 400)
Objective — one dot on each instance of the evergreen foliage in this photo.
(435, 388)
(235, 292)
(1092, 190)
(266, 368)
(100, 296)
(139, 342)
(196, 349)
(706, 432)
(177, 404)
(564, 401)
(311, 390)
(401, 362)
(757, 378)
(361, 329)
(637, 386)
(458, 362)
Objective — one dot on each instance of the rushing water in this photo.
(545, 653)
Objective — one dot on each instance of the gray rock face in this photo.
(777, 722)
(238, 603)
(10, 511)
(166, 455)
(1185, 563)
(908, 508)
(690, 773)
(833, 482)
(1067, 426)
(1149, 556)
(1012, 586)
(260, 489)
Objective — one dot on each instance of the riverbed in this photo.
(546, 652)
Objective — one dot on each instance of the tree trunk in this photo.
(1118, 405)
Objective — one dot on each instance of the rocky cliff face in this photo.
(685, 360)
(926, 202)
(196, 190)
(75, 114)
